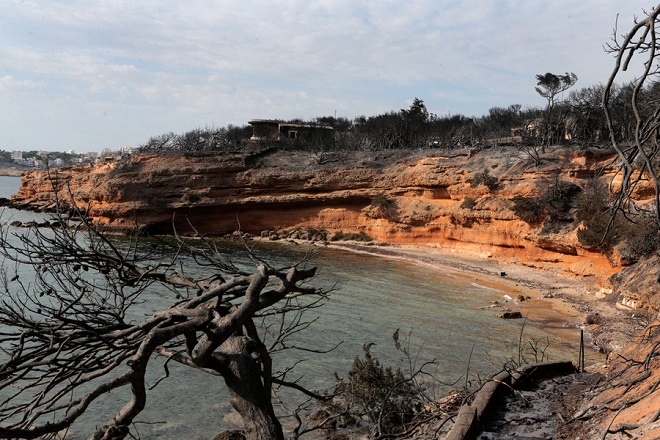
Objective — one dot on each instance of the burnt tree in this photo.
(72, 331)
(550, 86)
(637, 51)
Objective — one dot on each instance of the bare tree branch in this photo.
(72, 324)
(639, 161)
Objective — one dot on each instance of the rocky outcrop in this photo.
(456, 200)
(625, 403)
(639, 285)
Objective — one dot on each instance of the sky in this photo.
(93, 74)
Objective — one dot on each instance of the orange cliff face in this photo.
(406, 197)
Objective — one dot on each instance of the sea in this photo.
(440, 315)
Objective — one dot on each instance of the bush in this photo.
(599, 230)
(643, 236)
(350, 236)
(385, 208)
(558, 199)
(593, 201)
(468, 203)
(528, 209)
(463, 221)
(484, 178)
(307, 233)
(593, 210)
(387, 397)
(556, 203)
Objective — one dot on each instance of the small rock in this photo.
(509, 315)
(594, 319)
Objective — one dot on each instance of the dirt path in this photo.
(543, 411)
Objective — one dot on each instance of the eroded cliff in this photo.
(455, 200)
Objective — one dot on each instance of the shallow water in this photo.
(446, 315)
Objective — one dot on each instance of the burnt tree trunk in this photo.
(250, 396)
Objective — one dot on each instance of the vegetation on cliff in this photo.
(576, 119)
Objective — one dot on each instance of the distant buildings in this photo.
(127, 150)
(42, 159)
(275, 130)
(27, 162)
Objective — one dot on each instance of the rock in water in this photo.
(509, 315)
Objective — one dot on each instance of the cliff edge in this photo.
(455, 200)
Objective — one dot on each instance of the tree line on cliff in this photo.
(578, 118)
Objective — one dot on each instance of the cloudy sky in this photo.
(88, 74)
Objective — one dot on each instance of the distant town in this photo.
(55, 159)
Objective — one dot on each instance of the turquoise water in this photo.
(446, 316)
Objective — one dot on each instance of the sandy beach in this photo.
(557, 300)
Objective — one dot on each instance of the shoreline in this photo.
(13, 171)
(579, 302)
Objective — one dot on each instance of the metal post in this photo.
(581, 354)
